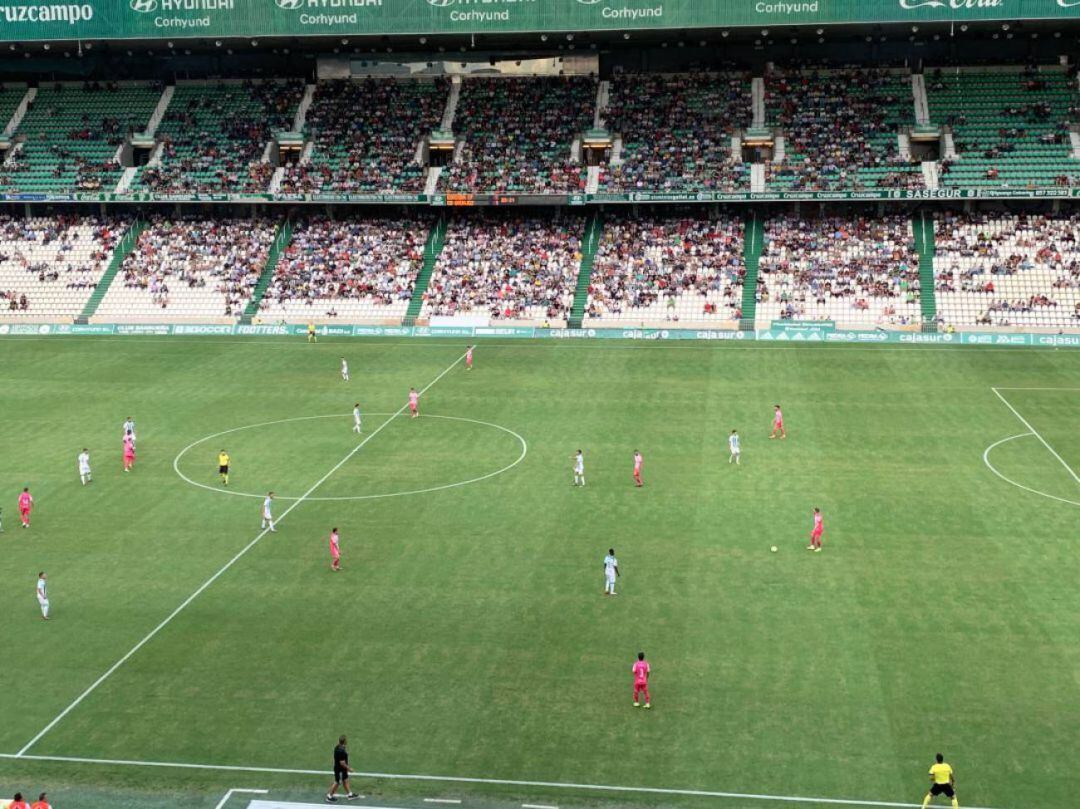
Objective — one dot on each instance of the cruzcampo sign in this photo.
(22, 20)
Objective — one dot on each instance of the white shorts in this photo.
(609, 578)
(43, 602)
(84, 470)
(736, 452)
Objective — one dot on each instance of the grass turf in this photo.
(467, 634)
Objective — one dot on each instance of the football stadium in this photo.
(539, 404)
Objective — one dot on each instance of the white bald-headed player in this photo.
(357, 419)
(611, 572)
(733, 445)
(84, 466)
(579, 468)
(267, 517)
(43, 595)
(344, 370)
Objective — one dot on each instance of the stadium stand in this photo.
(71, 134)
(189, 269)
(365, 134)
(10, 96)
(356, 270)
(652, 270)
(213, 137)
(840, 129)
(1008, 270)
(49, 266)
(857, 271)
(517, 135)
(676, 132)
(510, 268)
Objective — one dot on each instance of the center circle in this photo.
(455, 484)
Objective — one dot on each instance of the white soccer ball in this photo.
(774, 549)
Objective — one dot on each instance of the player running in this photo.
(611, 572)
(357, 419)
(129, 451)
(637, 469)
(42, 596)
(733, 447)
(815, 534)
(414, 402)
(223, 466)
(344, 370)
(267, 517)
(26, 505)
(641, 680)
(579, 469)
(778, 423)
(942, 782)
(84, 467)
(468, 358)
(335, 550)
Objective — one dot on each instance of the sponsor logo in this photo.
(583, 2)
(69, 13)
(289, 5)
(720, 335)
(440, 3)
(207, 329)
(787, 8)
(144, 6)
(953, 4)
(4, 328)
(1068, 3)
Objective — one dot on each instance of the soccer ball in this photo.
(774, 549)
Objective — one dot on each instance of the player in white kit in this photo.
(356, 418)
(611, 571)
(42, 595)
(344, 370)
(267, 517)
(733, 444)
(129, 427)
(579, 469)
(84, 466)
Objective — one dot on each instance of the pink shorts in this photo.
(816, 533)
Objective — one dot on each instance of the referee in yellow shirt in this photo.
(223, 466)
(942, 782)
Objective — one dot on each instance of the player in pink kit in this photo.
(129, 451)
(26, 503)
(637, 468)
(414, 402)
(335, 551)
(778, 424)
(468, 358)
(815, 535)
(641, 680)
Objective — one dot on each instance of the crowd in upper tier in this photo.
(849, 269)
(514, 267)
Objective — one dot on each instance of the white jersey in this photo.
(356, 414)
(41, 594)
(84, 461)
(344, 367)
(129, 425)
(266, 507)
(579, 463)
(610, 563)
(733, 442)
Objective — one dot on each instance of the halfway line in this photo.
(1035, 433)
(224, 568)
(696, 793)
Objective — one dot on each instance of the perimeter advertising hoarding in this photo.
(24, 20)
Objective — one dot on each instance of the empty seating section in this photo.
(676, 132)
(1008, 270)
(10, 96)
(518, 134)
(512, 267)
(71, 135)
(667, 268)
(358, 270)
(213, 137)
(840, 129)
(1010, 127)
(49, 266)
(364, 136)
(856, 271)
(189, 269)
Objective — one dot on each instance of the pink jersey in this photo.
(778, 418)
(817, 520)
(414, 397)
(468, 356)
(334, 549)
(641, 672)
(25, 501)
(129, 448)
(637, 462)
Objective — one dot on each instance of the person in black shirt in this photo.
(341, 773)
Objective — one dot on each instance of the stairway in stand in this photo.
(588, 255)
(281, 241)
(753, 245)
(434, 246)
(126, 245)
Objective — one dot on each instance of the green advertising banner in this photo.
(22, 20)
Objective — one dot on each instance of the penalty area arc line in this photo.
(1035, 433)
(992, 468)
(460, 779)
(221, 571)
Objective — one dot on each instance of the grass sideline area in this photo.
(467, 634)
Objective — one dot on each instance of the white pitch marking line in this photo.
(441, 800)
(232, 792)
(992, 468)
(224, 568)
(1035, 433)
(538, 806)
(460, 779)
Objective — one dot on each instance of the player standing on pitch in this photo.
(414, 402)
(579, 468)
(129, 451)
(778, 423)
(335, 549)
(816, 532)
(942, 782)
(84, 467)
(267, 517)
(733, 446)
(641, 680)
(26, 505)
(468, 358)
(357, 419)
(43, 596)
(611, 572)
(637, 469)
(223, 466)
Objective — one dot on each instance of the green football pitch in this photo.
(467, 635)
